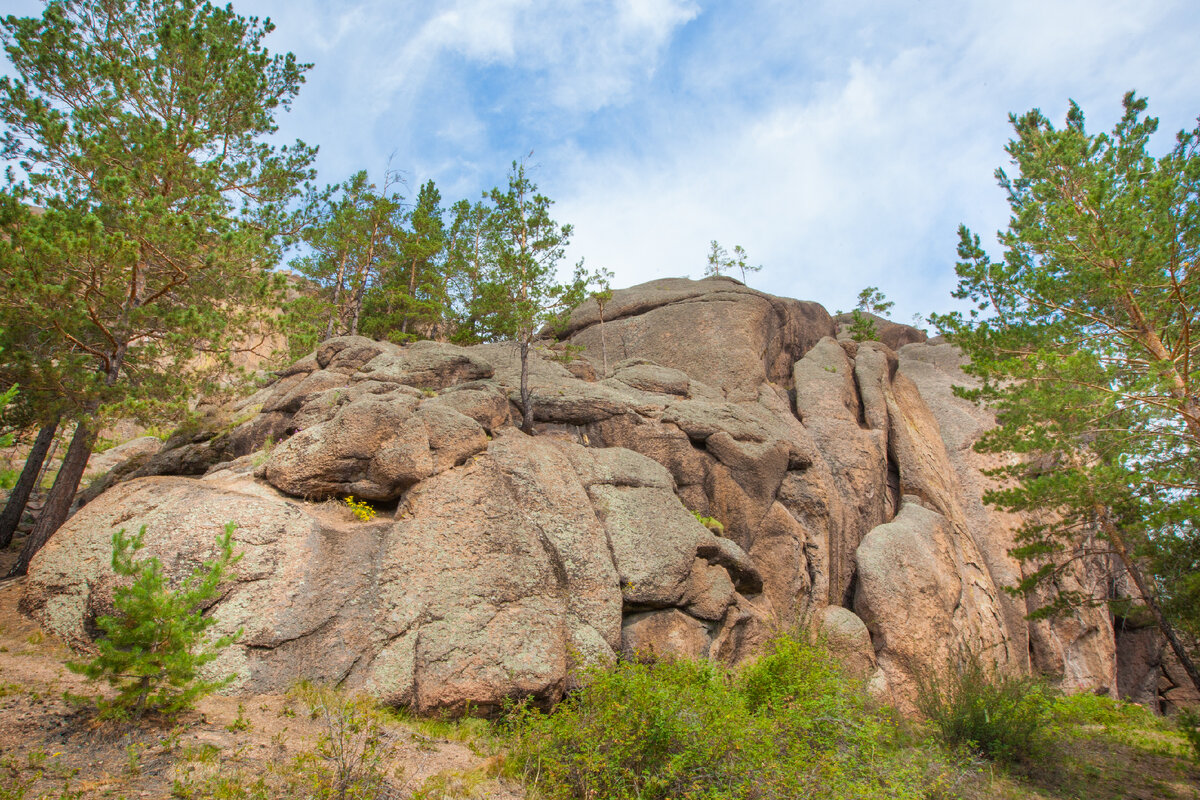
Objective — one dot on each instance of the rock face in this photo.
(841, 474)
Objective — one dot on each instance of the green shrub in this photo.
(1188, 721)
(1086, 708)
(154, 646)
(787, 726)
(1003, 718)
(712, 523)
(862, 327)
(351, 751)
(8, 477)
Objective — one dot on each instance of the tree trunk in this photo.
(1148, 597)
(41, 478)
(358, 304)
(19, 496)
(335, 312)
(412, 290)
(526, 405)
(62, 494)
(603, 343)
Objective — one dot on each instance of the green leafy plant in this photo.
(1002, 717)
(6, 398)
(1188, 720)
(240, 723)
(565, 353)
(874, 301)
(361, 509)
(720, 262)
(154, 646)
(862, 327)
(870, 301)
(788, 725)
(712, 523)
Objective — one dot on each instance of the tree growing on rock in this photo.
(412, 300)
(140, 126)
(1084, 338)
(354, 241)
(720, 262)
(522, 292)
(870, 301)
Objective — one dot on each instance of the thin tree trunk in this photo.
(41, 478)
(1164, 626)
(603, 343)
(526, 405)
(412, 290)
(62, 494)
(335, 312)
(19, 496)
(357, 314)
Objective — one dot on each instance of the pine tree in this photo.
(522, 292)
(720, 262)
(140, 125)
(411, 299)
(870, 301)
(153, 648)
(1082, 337)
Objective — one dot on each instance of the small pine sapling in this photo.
(154, 646)
(862, 327)
(870, 301)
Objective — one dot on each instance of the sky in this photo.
(840, 143)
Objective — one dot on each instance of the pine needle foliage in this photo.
(154, 646)
(1082, 338)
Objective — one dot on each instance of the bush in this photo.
(862, 327)
(353, 746)
(1188, 721)
(789, 725)
(154, 646)
(1003, 718)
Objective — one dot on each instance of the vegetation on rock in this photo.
(721, 262)
(788, 725)
(870, 301)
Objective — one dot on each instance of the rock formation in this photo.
(842, 476)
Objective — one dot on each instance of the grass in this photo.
(787, 725)
(8, 478)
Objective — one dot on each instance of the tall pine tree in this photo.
(140, 126)
(1083, 338)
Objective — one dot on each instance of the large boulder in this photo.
(496, 578)
(713, 466)
(924, 610)
(716, 330)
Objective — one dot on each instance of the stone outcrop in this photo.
(841, 474)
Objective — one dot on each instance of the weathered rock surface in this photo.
(841, 474)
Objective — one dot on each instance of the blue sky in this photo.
(839, 142)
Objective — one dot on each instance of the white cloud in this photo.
(839, 141)
(862, 178)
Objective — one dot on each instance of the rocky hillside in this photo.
(841, 474)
